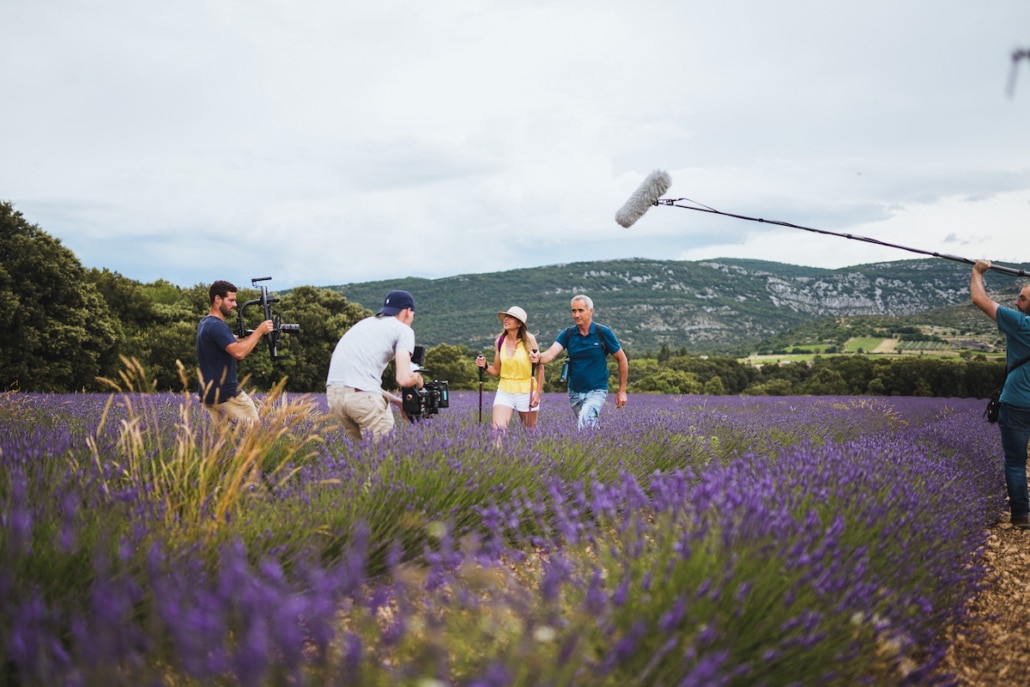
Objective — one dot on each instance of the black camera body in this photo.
(420, 403)
(268, 313)
(428, 400)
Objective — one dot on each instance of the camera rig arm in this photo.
(268, 313)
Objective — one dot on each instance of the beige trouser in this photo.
(360, 411)
(239, 408)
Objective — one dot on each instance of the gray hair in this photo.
(585, 299)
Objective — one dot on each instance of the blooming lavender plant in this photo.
(687, 540)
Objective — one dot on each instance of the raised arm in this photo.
(978, 292)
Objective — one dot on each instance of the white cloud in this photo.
(325, 142)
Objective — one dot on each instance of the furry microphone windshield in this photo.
(646, 195)
(650, 191)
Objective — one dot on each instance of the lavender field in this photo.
(690, 540)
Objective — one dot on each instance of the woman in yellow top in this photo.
(517, 390)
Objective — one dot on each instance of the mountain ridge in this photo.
(708, 306)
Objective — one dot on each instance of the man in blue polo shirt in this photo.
(589, 346)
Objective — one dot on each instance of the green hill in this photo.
(711, 306)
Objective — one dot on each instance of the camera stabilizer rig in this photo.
(267, 313)
(420, 403)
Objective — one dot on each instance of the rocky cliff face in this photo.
(705, 306)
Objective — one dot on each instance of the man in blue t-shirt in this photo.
(218, 349)
(589, 346)
(1014, 415)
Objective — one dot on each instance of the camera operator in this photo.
(354, 385)
(218, 349)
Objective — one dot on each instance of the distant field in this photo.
(865, 344)
(776, 359)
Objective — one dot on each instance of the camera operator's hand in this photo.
(266, 327)
(419, 382)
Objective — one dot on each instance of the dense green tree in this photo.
(639, 368)
(667, 381)
(734, 376)
(56, 331)
(856, 371)
(714, 387)
(157, 325)
(455, 364)
(773, 387)
(323, 315)
(825, 382)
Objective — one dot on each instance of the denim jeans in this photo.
(1014, 424)
(587, 406)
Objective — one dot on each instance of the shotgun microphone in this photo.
(646, 195)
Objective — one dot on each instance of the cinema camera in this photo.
(267, 313)
(420, 403)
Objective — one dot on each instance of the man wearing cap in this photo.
(589, 345)
(515, 391)
(354, 387)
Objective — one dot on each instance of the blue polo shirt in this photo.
(1016, 328)
(588, 357)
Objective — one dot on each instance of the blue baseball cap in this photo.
(395, 302)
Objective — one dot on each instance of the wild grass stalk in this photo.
(197, 474)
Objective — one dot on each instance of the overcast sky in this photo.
(325, 141)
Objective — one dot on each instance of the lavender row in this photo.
(688, 540)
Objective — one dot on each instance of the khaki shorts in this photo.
(360, 411)
(239, 408)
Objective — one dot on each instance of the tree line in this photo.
(65, 328)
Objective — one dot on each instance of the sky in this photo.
(322, 142)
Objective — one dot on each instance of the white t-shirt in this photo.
(364, 351)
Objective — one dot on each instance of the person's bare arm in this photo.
(241, 348)
(404, 375)
(550, 354)
(538, 370)
(621, 397)
(978, 292)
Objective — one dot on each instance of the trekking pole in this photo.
(532, 374)
(480, 395)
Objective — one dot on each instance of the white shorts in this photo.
(519, 402)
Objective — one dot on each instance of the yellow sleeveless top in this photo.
(516, 370)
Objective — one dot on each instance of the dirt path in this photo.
(1001, 653)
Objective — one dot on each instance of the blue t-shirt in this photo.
(1016, 328)
(217, 367)
(588, 356)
